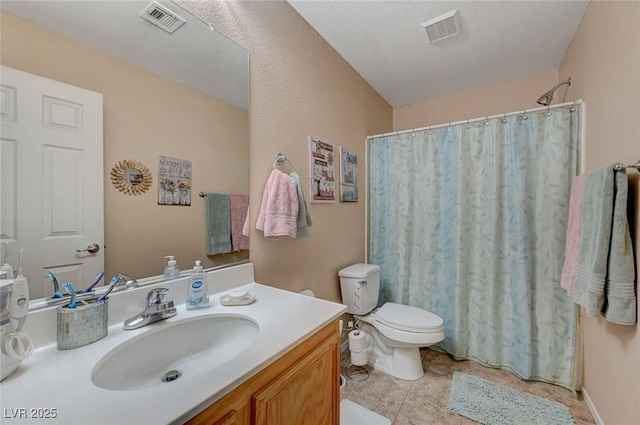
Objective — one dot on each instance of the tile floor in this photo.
(424, 402)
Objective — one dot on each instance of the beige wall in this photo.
(299, 86)
(140, 123)
(501, 98)
(604, 63)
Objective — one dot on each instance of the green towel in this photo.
(605, 279)
(218, 212)
(304, 219)
(620, 302)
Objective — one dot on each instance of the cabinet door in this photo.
(213, 416)
(229, 419)
(306, 394)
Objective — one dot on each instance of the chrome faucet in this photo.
(129, 282)
(156, 310)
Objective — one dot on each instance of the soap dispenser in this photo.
(198, 292)
(172, 271)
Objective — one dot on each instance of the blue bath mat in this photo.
(494, 404)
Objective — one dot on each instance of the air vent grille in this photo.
(162, 17)
(443, 26)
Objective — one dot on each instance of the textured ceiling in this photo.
(382, 40)
(193, 55)
(500, 41)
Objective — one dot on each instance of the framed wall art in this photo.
(321, 171)
(348, 175)
(174, 181)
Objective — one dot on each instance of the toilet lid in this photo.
(407, 318)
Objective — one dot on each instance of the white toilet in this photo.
(395, 331)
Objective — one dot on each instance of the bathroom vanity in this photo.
(299, 388)
(286, 372)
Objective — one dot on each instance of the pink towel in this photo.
(574, 231)
(239, 205)
(278, 216)
(245, 227)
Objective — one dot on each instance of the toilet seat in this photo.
(398, 338)
(409, 319)
(419, 327)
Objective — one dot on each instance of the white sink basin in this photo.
(190, 347)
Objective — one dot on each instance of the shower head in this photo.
(545, 99)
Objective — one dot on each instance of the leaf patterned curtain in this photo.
(469, 222)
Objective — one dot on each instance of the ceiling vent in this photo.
(443, 26)
(162, 17)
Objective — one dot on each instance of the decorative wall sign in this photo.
(321, 171)
(348, 175)
(131, 177)
(174, 176)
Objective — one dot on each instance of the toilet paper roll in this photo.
(357, 340)
(359, 358)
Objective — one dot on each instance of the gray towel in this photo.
(605, 279)
(218, 212)
(620, 302)
(304, 219)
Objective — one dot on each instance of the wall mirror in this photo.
(179, 93)
(131, 177)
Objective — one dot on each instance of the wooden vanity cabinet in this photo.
(301, 387)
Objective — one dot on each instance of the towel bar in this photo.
(619, 166)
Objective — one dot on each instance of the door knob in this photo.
(91, 249)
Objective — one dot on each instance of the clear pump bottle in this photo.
(6, 271)
(171, 271)
(198, 292)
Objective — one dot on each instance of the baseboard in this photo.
(591, 407)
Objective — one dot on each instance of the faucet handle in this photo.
(129, 282)
(156, 295)
(124, 281)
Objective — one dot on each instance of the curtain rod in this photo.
(451, 124)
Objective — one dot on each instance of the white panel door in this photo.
(51, 179)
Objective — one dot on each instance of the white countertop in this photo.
(61, 380)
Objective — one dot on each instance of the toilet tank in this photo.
(360, 286)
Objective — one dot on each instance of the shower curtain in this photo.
(469, 222)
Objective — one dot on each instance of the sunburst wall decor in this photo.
(131, 177)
